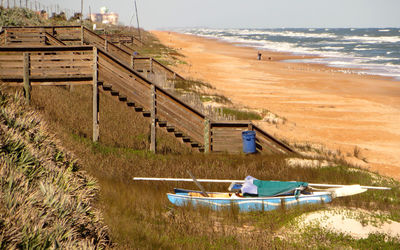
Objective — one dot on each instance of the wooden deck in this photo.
(64, 55)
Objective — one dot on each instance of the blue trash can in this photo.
(249, 142)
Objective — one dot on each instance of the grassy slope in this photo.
(139, 215)
(44, 200)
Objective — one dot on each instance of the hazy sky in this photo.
(155, 14)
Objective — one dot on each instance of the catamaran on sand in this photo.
(257, 195)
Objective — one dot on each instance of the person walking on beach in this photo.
(259, 55)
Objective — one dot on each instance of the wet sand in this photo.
(337, 108)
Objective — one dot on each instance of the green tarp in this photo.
(273, 188)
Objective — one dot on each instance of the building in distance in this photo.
(105, 17)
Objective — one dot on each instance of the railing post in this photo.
(207, 135)
(5, 37)
(27, 82)
(95, 98)
(133, 61)
(105, 43)
(153, 119)
(151, 65)
(82, 35)
(250, 126)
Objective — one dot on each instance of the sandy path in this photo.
(321, 105)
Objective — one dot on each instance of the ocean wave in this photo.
(372, 39)
(362, 49)
(384, 30)
(283, 33)
(332, 48)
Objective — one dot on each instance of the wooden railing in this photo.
(70, 35)
(78, 35)
(139, 90)
(52, 40)
(91, 38)
(122, 39)
(226, 136)
(46, 65)
(24, 36)
(2, 37)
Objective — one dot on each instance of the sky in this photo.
(164, 14)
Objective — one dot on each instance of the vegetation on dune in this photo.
(45, 200)
(19, 17)
(27, 17)
(139, 214)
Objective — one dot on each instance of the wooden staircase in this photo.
(117, 71)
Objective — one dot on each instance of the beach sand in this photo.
(337, 108)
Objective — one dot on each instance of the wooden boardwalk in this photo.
(66, 55)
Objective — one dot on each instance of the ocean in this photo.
(374, 51)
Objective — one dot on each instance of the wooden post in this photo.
(250, 126)
(5, 37)
(27, 82)
(151, 65)
(133, 61)
(95, 98)
(82, 37)
(207, 135)
(105, 43)
(153, 119)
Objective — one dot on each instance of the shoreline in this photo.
(320, 105)
(318, 57)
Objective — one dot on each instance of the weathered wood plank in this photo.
(62, 64)
(60, 56)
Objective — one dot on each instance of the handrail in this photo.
(259, 130)
(54, 39)
(158, 88)
(244, 124)
(112, 44)
(47, 48)
(160, 64)
(154, 60)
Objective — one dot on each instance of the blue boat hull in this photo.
(247, 204)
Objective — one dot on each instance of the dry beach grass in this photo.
(139, 214)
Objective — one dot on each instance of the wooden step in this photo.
(114, 92)
(178, 134)
(201, 149)
(100, 83)
(162, 124)
(122, 98)
(107, 87)
(194, 144)
(146, 113)
(186, 139)
(138, 109)
(170, 128)
(130, 104)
